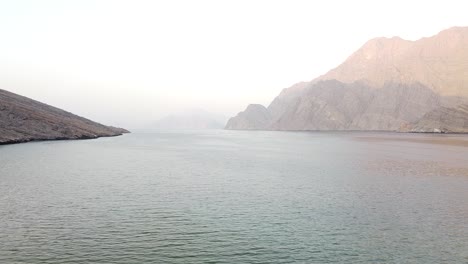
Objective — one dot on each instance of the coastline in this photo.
(30, 140)
(357, 131)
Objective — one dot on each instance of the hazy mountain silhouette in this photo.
(191, 119)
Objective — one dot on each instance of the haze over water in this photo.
(236, 197)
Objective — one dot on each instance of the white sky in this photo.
(130, 62)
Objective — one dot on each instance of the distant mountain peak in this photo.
(190, 119)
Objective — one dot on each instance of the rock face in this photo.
(254, 117)
(387, 85)
(444, 119)
(23, 119)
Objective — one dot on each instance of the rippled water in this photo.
(236, 197)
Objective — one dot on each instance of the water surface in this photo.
(236, 197)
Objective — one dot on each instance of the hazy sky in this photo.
(129, 62)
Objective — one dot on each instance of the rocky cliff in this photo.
(390, 84)
(23, 119)
(254, 117)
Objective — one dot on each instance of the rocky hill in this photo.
(390, 84)
(23, 119)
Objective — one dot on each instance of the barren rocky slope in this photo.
(387, 85)
(439, 62)
(23, 119)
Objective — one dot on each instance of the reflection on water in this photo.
(236, 197)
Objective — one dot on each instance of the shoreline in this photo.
(22, 141)
(354, 131)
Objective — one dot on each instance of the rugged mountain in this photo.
(389, 84)
(191, 119)
(23, 119)
(439, 62)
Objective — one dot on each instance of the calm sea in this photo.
(236, 197)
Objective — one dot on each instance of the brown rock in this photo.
(23, 119)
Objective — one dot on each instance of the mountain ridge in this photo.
(387, 85)
(425, 60)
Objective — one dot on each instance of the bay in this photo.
(220, 196)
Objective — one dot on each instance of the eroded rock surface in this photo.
(23, 119)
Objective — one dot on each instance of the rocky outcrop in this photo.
(387, 85)
(23, 119)
(443, 120)
(254, 117)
